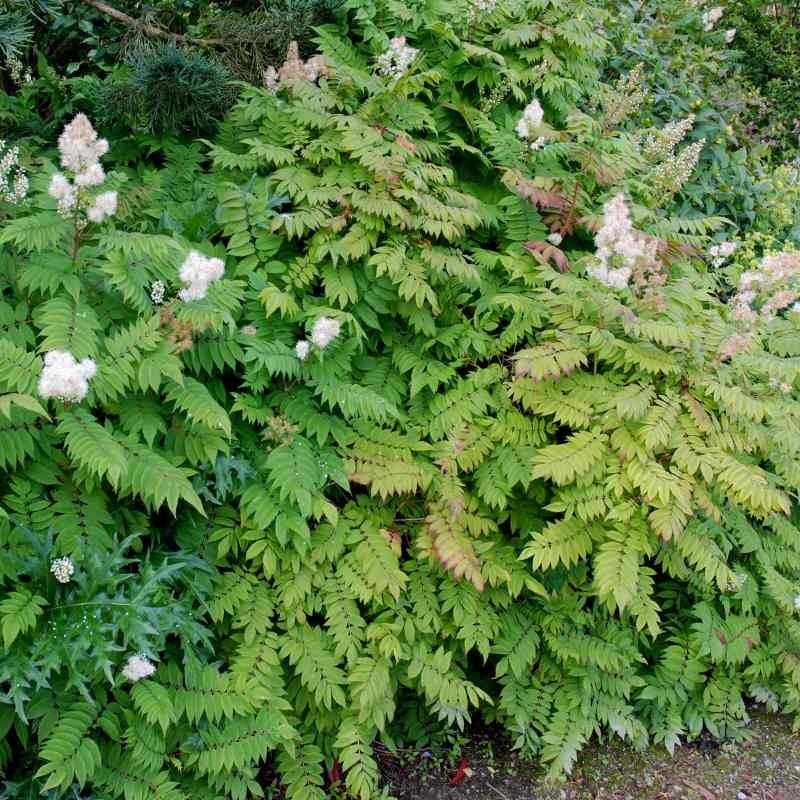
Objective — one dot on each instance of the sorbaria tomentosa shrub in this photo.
(444, 418)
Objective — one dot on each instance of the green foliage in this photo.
(693, 71)
(768, 37)
(495, 485)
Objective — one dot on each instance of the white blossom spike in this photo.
(530, 122)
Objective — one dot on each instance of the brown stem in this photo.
(153, 30)
(76, 243)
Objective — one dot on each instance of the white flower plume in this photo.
(325, 330)
(197, 273)
(64, 377)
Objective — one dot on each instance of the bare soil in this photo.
(765, 767)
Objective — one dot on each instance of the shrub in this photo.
(463, 427)
(170, 90)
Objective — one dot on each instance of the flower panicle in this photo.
(137, 667)
(80, 150)
(13, 178)
(65, 378)
(396, 60)
(62, 569)
(197, 273)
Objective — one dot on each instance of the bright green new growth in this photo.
(503, 488)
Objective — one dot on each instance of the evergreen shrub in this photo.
(170, 90)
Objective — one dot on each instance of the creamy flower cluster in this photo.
(764, 292)
(720, 253)
(138, 667)
(730, 35)
(63, 569)
(325, 330)
(65, 378)
(480, 8)
(661, 144)
(80, 151)
(734, 345)
(777, 383)
(530, 124)
(737, 581)
(620, 248)
(19, 73)
(668, 177)
(13, 179)
(493, 97)
(761, 694)
(295, 69)
(712, 17)
(397, 58)
(197, 273)
(157, 292)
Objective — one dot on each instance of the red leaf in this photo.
(548, 252)
(541, 197)
(335, 773)
(405, 143)
(462, 771)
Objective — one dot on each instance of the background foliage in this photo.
(769, 34)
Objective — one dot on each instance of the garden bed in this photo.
(765, 767)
